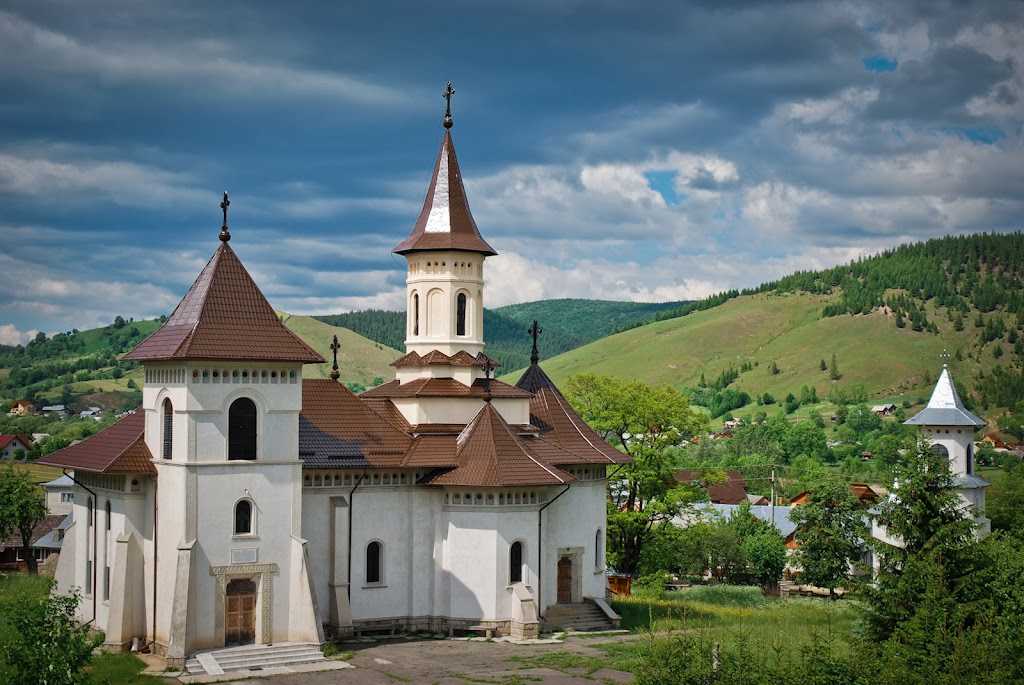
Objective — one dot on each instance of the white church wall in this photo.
(171, 507)
(471, 568)
(563, 529)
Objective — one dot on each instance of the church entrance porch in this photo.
(240, 613)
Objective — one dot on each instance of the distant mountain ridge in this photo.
(567, 324)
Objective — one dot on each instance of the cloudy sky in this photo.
(611, 148)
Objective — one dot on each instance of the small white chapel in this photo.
(243, 504)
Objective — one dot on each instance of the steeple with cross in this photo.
(335, 374)
(534, 330)
(225, 235)
(447, 95)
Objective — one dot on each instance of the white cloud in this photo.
(24, 44)
(10, 335)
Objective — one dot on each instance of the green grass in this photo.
(788, 329)
(359, 359)
(115, 669)
(37, 472)
(731, 613)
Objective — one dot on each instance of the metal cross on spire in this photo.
(534, 330)
(335, 374)
(447, 95)
(224, 234)
(945, 357)
(488, 368)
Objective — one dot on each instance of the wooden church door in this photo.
(240, 614)
(564, 580)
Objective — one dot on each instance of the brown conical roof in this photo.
(445, 222)
(224, 316)
(491, 454)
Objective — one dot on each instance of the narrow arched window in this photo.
(242, 429)
(416, 314)
(598, 550)
(460, 321)
(168, 429)
(970, 458)
(374, 562)
(88, 506)
(108, 514)
(515, 563)
(243, 517)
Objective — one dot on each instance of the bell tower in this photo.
(445, 263)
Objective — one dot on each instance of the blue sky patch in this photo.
(977, 134)
(664, 183)
(879, 64)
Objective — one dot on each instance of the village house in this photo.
(23, 408)
(10, 444)
(244, 504)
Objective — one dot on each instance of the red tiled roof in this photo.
(442, 387)
(732, 491)
(561, 425)
(224, 316)
(385, 408)
(445, 222)
(7, 438)
(432, 451)
(337, 429)
(118, 448)
(491, 454)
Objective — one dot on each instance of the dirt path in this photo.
(457, 662)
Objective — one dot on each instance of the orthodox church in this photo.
(949, 426)
(244, 504)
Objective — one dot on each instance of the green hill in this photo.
(360, 361)
(887, 320)
(566, 323)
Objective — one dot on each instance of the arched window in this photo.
(90, 512)
(374, 562)
(970, 458)
(515, 563)
(243, 517)
(415, 313)
(242, 429)
(941, 451)
(88, 506)
(168, 428)
(108, 514)
(106, 555)
(598, 550)
(460, 308)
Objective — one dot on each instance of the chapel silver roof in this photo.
(945, 408)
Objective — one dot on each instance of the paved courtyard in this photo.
(458, 662)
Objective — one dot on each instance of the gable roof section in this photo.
(445, 222)
(945, 408)
(337, 430)
(491, 454)
(732, 491)
(7, 438)
(118, 448)
(442, 387)
(224, 316)
(561, 425)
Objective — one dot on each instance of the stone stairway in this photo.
(253, 658)
(584, 617)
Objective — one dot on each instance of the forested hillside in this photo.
(567, 324)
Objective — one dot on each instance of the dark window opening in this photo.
(416, 314)
(243, 517)
(460, 322)
(242, 429)
(515, 563)
(168, 429)
(373, 562)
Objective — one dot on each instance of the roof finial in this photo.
(447, 95)
(945, 357)
(534, 330)
(335, 374)
(488, 367)
(224, 234)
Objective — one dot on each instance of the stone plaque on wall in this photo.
(246, 555)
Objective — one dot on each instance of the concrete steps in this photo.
(583, 617)
(253, 658)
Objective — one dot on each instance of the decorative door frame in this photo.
(260, 574)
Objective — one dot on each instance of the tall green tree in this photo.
(934, 535)
(830, 530)
(645, 421)
(22, 506)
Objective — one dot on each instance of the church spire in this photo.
(445, 222)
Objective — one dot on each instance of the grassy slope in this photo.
(787, 329)
(359, 359)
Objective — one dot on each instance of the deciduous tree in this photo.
(644, 420)
(22, 506)
(830, 530)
